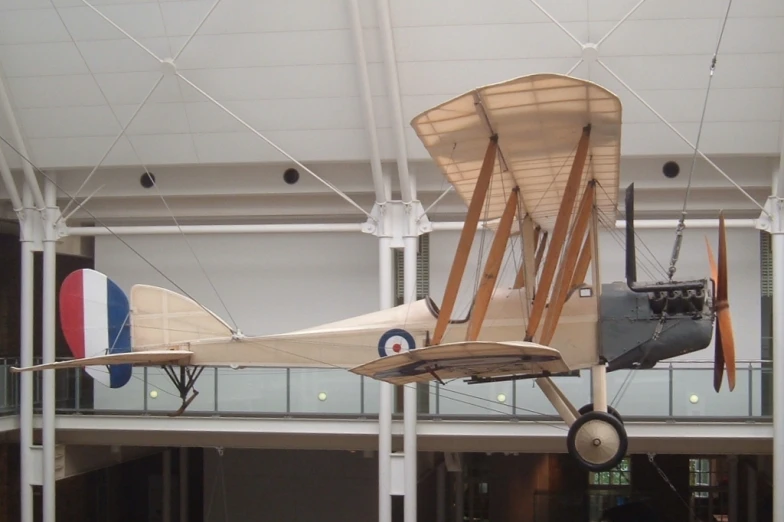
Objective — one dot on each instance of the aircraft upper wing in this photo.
(538, 120)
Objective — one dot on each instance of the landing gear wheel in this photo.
(612, 411)
(597, 440)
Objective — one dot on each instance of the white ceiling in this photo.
(288, 69)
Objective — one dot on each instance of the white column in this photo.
(48, 351)
(777, 241)
(411, 245)
(386, 278)
(183, 484)
(26, 359)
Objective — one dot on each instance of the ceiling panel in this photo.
(691, 71)
(431, 13)
(53, 122)
(289, 68)
(265, 49)
(257, 17)
(31, 26)
(155, 118)
(132, 88)
(41, 59)
(678, 9)
(486, 42)
(142, 20)
(62, 91)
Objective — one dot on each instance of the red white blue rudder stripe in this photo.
(95, 319)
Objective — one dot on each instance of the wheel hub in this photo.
(597, 442)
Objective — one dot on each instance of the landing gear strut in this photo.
(184, 383)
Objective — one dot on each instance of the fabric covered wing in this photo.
(146, 358)
(465, 359)
(538, 120)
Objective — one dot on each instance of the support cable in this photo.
(676, 248)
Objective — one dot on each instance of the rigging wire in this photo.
(676, 248)
(123, 132)
(104, 225)
(178, 287)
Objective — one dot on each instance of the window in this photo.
(423, 270)
(618, 476)
(766, 318)
(708, 483)
(423, 289)
(609, 488)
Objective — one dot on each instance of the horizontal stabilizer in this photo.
(165, 318)
(145, 358)
(465, 359)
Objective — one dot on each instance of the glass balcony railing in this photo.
(681, 389)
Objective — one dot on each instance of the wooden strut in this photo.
(567, 269)
(559, 233)
(582, 264)
(492, 267)
(540, 252)
(466, 240)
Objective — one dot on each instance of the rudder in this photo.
(95, 319)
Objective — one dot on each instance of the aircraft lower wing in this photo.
(151, 357)
(465, 359)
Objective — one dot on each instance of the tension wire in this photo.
(676, 248)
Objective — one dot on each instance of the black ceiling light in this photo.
(291, 176)
(671, 169)
(147, 180)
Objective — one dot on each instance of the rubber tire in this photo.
(613, 421)
(612, 411)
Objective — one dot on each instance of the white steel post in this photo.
(777, 241)
(386, 278)
(48, 351)
(411, 246)
(26, 357)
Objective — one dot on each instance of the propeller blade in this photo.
(718, 353)
(724, 320)
(724, 339)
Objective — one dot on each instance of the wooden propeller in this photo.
(724, 341)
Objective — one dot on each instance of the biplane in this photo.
(534, 158)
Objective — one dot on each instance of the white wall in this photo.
(270, 284)
(328, 486)
(275, 283)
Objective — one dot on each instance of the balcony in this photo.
(681, 390)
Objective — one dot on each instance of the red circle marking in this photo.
(396, 347)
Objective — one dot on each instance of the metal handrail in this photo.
(664, 398)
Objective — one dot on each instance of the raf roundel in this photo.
(395, 341)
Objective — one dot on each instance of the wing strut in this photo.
(540, 253)
(526, 275)
(466, 239)
(568, 265)
(492, 267)
(582, 264)
(559, 233)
